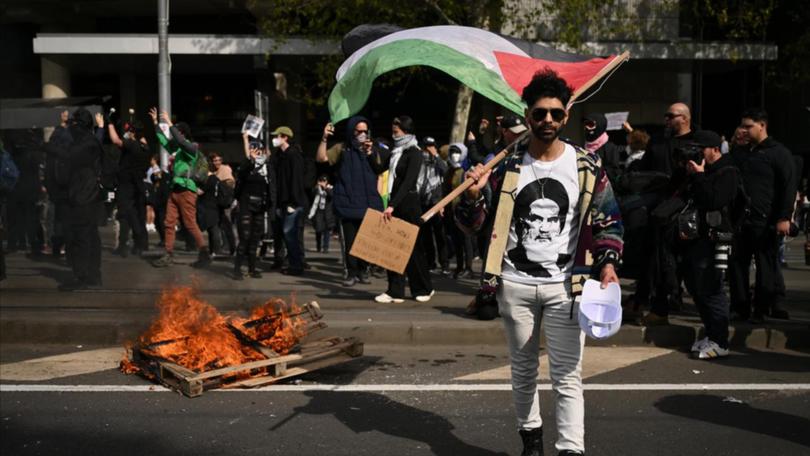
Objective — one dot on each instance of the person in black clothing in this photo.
(432, 235)
(57, 176)
(288, 164)
(23, 227)
(713, 186)
(663, 157)
(597, 141)
(255, 194)
(130, 195)
(84, 202)
(771, 182)
(208, 211)
(404, 165)
(321, 214)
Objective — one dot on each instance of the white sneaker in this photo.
(697, 346)
(711, 350)
(426, 298)
(385, 299)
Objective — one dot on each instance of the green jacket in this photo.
(185, 155)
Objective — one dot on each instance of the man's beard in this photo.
(540, 132)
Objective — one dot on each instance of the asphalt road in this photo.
(398, 400)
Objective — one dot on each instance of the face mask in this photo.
(361, 138)
(277, 142)
(455, 158)
(260, 159)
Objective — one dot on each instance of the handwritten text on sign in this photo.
(388, 245)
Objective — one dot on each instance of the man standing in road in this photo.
(563, 227)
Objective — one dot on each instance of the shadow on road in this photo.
(712, 409)
(362, 412)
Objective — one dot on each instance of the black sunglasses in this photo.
(539, 114)
(671, 115)
(360, 131)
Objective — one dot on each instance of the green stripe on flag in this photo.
(351, 92)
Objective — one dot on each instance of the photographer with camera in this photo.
(705, 228)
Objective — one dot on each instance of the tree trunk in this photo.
(462, 114)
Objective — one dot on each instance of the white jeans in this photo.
(523, 308)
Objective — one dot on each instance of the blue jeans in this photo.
(290, 223)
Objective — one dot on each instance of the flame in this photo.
(279, 326)
(192, 333)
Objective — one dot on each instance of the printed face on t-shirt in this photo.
(542, 223)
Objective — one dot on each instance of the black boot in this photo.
(203, 259)
(532, 442)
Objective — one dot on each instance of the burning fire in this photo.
(192, 333)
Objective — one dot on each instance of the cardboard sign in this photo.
(385, 244)
(616, 119)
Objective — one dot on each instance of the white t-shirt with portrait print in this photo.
(545, 221)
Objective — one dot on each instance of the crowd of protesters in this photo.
(235, 211)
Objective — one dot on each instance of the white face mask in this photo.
(455, 158)
(362, 137)
(277, 142)
(260, 159)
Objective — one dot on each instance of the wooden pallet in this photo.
(312, 356)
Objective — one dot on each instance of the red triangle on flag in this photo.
(518, 70)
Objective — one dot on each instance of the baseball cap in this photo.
(514, 123)
(428, 141)
(286, 131)
(706, 138)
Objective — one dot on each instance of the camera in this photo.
(722, 249)
(689, 152)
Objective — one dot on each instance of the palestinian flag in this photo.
(492, 65)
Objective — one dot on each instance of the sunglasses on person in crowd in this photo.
(671, 115)
(540, 114)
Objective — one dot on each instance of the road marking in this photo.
(66, 365)
(12, 388)
(596, 360)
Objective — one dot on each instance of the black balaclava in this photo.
(601, 126)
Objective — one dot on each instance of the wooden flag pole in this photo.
(618, 60)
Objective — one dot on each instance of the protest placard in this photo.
(616, 119)
(253, 125)
(385, 244)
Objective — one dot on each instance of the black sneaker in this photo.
(364, 279)
(255, 274)
(350, 282)
(779, 313)
(532, 442)
(292, 272)
(203, 260)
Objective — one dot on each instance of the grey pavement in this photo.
(33, 311)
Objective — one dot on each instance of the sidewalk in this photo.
(32, 311)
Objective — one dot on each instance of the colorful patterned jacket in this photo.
(600, 233)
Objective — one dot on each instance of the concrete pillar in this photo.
(55, 84)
